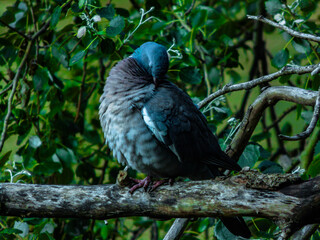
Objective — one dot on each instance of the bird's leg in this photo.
(140, 183)
(161, 182)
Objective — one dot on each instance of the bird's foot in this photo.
(140, 183)
(145, 183)
(161, 182)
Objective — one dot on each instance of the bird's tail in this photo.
(237, 226)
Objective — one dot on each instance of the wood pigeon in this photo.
(154, 127)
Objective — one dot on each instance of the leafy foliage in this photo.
(53, 134)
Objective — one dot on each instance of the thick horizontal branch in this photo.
(267, 98)
(287, 70)
(286, 29)
(184, 199)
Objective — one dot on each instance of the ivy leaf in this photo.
(190, 75)
(55, 17)
(106, 12)
(115, 27)
(273, 6)
(280, 59)
(77, 57)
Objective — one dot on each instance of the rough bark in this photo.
(290, 202)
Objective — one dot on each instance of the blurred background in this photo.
(53, 133)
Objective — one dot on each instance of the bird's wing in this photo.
(176, 122)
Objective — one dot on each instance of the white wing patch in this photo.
(160, 135)
(148, 121)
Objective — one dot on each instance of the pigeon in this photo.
(153, 126)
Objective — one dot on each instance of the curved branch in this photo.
(287, 70)
(312, 125)
(267, 98)
(286, 29)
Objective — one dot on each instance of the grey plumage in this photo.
(180, 144)
(154, 127)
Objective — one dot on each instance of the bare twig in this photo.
(286, 70)
(177, 228)
(312, 125)
(16, 78)
(284, 114)
(286, 29)
(6, 89)
(84, 74)
(15, 30)
(14, 86)
(190, 8)
(306, 232)
(141, 22)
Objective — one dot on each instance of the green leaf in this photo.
(198, 19)
(249, 156)
(85, 171)
(307, 6)
(190, 75)
(235, 77)
(7, 17)
(77, 57)
(47, 168)
(270, 167)
(81, 3)
(314, 167)
(10, 231)
(5, 158)
(115, 27)
(273, 6)
(22, 226)
(222, 233)
(106, 12)
(284, 79)
(34, 142)
(55, 17)
(75, 8)
(280, 59)
(40, 79)
(301, 45)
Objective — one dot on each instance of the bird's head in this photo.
(153, 57)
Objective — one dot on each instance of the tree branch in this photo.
(177, 228)
(287, 70)
(14, 86)
(312, 125)
(282, 198)
(15, 30)
(267, 98)
(286, 29)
